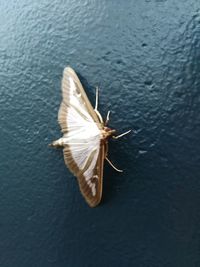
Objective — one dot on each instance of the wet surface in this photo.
(145, 57)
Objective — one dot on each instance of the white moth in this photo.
(85, 137)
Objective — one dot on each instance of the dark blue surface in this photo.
(145, 56)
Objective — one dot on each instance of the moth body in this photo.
(104, 135)
(107, 132)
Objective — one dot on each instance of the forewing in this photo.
(74, 97)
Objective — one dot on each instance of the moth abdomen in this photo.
(58, 143)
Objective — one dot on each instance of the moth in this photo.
(85, 137)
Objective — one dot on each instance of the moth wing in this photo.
(90, 179)
(74, 97)
(83, 152)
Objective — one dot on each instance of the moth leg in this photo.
(107, 118)
(97, 98)
(111, 164)
(119, 136)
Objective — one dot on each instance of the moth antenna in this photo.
(119, 136)
(107, 118)
(111, 164)
(97, 98)
(96, 105)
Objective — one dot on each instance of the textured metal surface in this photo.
(145, 56)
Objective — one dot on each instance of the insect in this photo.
(85, 137)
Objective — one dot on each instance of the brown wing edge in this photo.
(92, 201)
(62, 115)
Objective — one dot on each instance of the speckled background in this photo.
(145, 56)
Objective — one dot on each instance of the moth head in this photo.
(107, 132)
